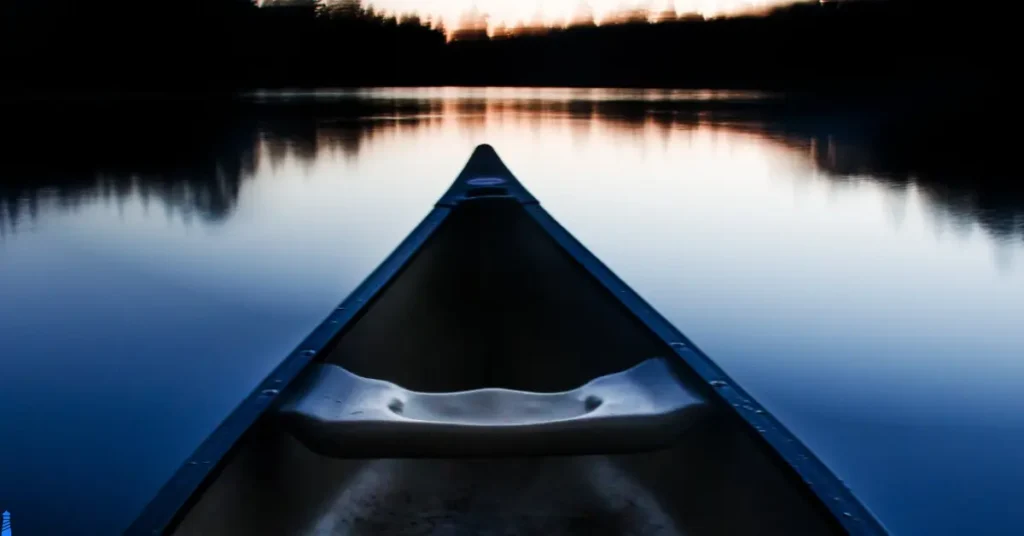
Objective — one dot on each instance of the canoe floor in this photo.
(714, 482)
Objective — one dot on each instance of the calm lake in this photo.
(157, 261)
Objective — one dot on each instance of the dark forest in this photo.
(205, 46)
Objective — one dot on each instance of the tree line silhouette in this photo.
(950, 67)
(223, 45)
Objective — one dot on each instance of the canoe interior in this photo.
(492, 301)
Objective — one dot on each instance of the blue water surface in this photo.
(151, 276)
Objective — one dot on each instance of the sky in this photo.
(511, 12)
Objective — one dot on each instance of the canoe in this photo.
(491, 376)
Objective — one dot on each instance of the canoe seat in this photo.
(339, 414)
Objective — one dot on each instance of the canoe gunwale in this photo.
(185, 487)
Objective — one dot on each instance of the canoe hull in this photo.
(490, 292)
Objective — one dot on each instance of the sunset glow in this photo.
(518, 13)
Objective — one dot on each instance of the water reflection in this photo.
(193, 159)
(65, 156)
(866, 288)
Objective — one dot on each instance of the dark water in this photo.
(156, 261)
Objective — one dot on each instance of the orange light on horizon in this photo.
(490, 15)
